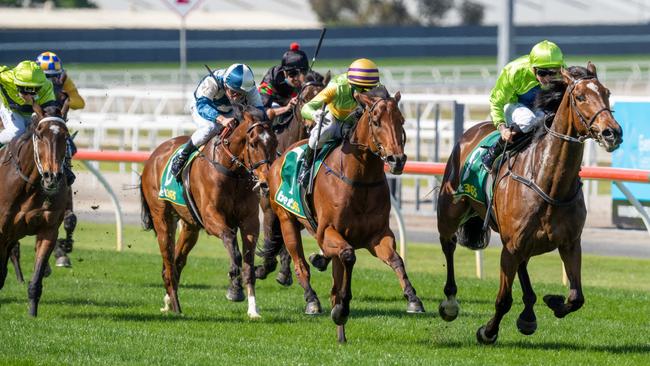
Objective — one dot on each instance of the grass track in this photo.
(105, 311)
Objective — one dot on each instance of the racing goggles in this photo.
(294, 72)
(546, 72)
(31, 90)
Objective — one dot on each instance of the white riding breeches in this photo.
(522, 116)
(14, 124)
(331, 129)
(206, 129)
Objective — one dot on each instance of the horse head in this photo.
(49, 138)
(260, 143)
(314, 83)
(381, 127)
(589, 104)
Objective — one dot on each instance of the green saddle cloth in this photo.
(171, 189)
(473, 175)
(288, 195)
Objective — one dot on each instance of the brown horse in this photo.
(538, 203)
(223, 178)
(35, 193)
(352, 206)
(294, 130)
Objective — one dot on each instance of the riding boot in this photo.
(305, 168)
(493, 152)
(67, 170)
(181, 159)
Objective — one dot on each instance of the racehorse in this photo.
(352, 206)
(538, 204)
(222, 180)
(288, 133)
(35, 193)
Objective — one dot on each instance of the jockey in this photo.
(64, 88)
(212, 107)
(513, 96)
(20, 88)
(342, 109)
(281, 85)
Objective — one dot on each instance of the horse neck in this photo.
(365, 166)
(560, 160)
(236, 144)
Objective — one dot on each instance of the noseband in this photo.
(381, 151)
(37, 156)
(586, 123)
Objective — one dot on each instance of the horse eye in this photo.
(581, 98)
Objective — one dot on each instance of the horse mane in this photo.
(549, 99)
(315, 77)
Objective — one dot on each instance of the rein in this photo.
(37, 156)
(235, 160)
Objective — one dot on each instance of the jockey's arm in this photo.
(76, 101)
(324, 97)
(46, 95)
(502, 94)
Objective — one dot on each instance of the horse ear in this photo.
(568, 79)
(591, 67)
(363, 98)
(328, 77)
(238, 111)
(397, 96)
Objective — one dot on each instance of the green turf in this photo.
(105, 311)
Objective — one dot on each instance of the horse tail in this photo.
(145, 214)
(471, 234)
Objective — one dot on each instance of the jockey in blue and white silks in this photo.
(212, 107)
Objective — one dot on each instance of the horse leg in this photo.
(235, 291)
(165, 228)
(45, 242)
(271, 240)
(5, 249)
(334, 245)
(487, 334)
(293, 243)
(249, 231)
(186, 240)
(385, 251)
(64, 246)
(527, 322)
(449, 308)
(335, 298)
(14, 254)
(284, 276)
(572, 258)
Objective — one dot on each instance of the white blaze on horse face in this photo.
(55, 129)
(593, 87)
(265, 136)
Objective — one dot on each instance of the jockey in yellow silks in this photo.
(512, 98)
(64, 87)
(342, 109)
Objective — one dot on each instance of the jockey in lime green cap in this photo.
(20, 88)
(513, 96)
(340, 115)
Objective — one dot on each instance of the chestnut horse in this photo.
(352, 206)
(223, 178)
(289, 133)
(35, 193)
(538, 203)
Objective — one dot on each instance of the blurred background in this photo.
(137, 62)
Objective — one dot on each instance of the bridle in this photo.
(295, 112)
(37, 156)
(381, 151)
(586, 123)
(235, 160)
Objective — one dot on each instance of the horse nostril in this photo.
(608, 133)
(390, 159)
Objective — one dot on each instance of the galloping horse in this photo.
(538, 203)
(289, 133)
(223, 178)
(352, 206)
(35, 194)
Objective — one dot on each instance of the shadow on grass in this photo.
(546, 346)
(162, 318)
(71, 302)
(190, 286)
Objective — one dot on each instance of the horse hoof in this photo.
(284, 279)
(415, 307)
(235, 294)
(33, 308)
(526, 327)
(254, 315)
(337, 315)
(340, 332)
(448, 310)
(313, 308)
(556, 303)
(483, 339)
(319, 261)
(63, 261)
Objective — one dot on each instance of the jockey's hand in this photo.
(27, 98)
(227, 122)
(293, 102)
(507, 133)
